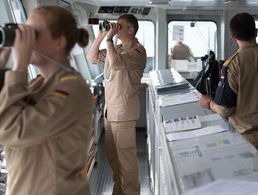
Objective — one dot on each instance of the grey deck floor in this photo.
(101, 177)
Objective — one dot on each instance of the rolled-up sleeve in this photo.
(100, 57)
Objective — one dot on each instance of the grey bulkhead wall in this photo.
(161, 45)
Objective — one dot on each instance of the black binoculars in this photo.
(7, 35)
(104, 26)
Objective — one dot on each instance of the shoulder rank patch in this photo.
(137, 50)
(66, 78)
(61, 93)
(227, 62)
(138, 47)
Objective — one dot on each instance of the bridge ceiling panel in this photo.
(170, 4)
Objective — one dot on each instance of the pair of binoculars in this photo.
(7, 34)
(104, 26)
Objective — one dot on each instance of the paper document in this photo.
(210, 117)
(175, 99)
(195, 133)
(182, 124)
(186, 66)
(168, 78)
(226, 187)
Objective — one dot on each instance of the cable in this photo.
(68, 69)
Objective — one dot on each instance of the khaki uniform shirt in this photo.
(123, 81)
(243, 80)
(46, 131)
(181, 51)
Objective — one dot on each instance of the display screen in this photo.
(93, 21)
(146, 11)
(122, 9)
(106, 9)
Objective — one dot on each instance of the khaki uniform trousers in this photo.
(252, 137)
(120, 141)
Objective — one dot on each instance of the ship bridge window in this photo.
(188, 41)
(145, 36)
(18, 11)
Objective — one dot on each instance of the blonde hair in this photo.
(60, 22)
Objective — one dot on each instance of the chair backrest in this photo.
(207, 80)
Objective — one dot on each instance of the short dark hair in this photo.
(242, 27)
(131, 19)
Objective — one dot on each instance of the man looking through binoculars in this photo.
(123, 70)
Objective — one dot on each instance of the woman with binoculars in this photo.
(45, 124)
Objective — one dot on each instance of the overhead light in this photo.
(230, 1)
(159, 2)
(252, 2)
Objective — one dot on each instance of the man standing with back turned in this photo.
(236, 95)
(124, 67)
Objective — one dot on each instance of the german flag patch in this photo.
(61, 93)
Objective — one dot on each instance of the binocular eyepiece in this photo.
(7, 34)
(104, 26)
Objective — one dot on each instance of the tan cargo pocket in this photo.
(126, 136)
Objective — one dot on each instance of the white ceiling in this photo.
(172, 3)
